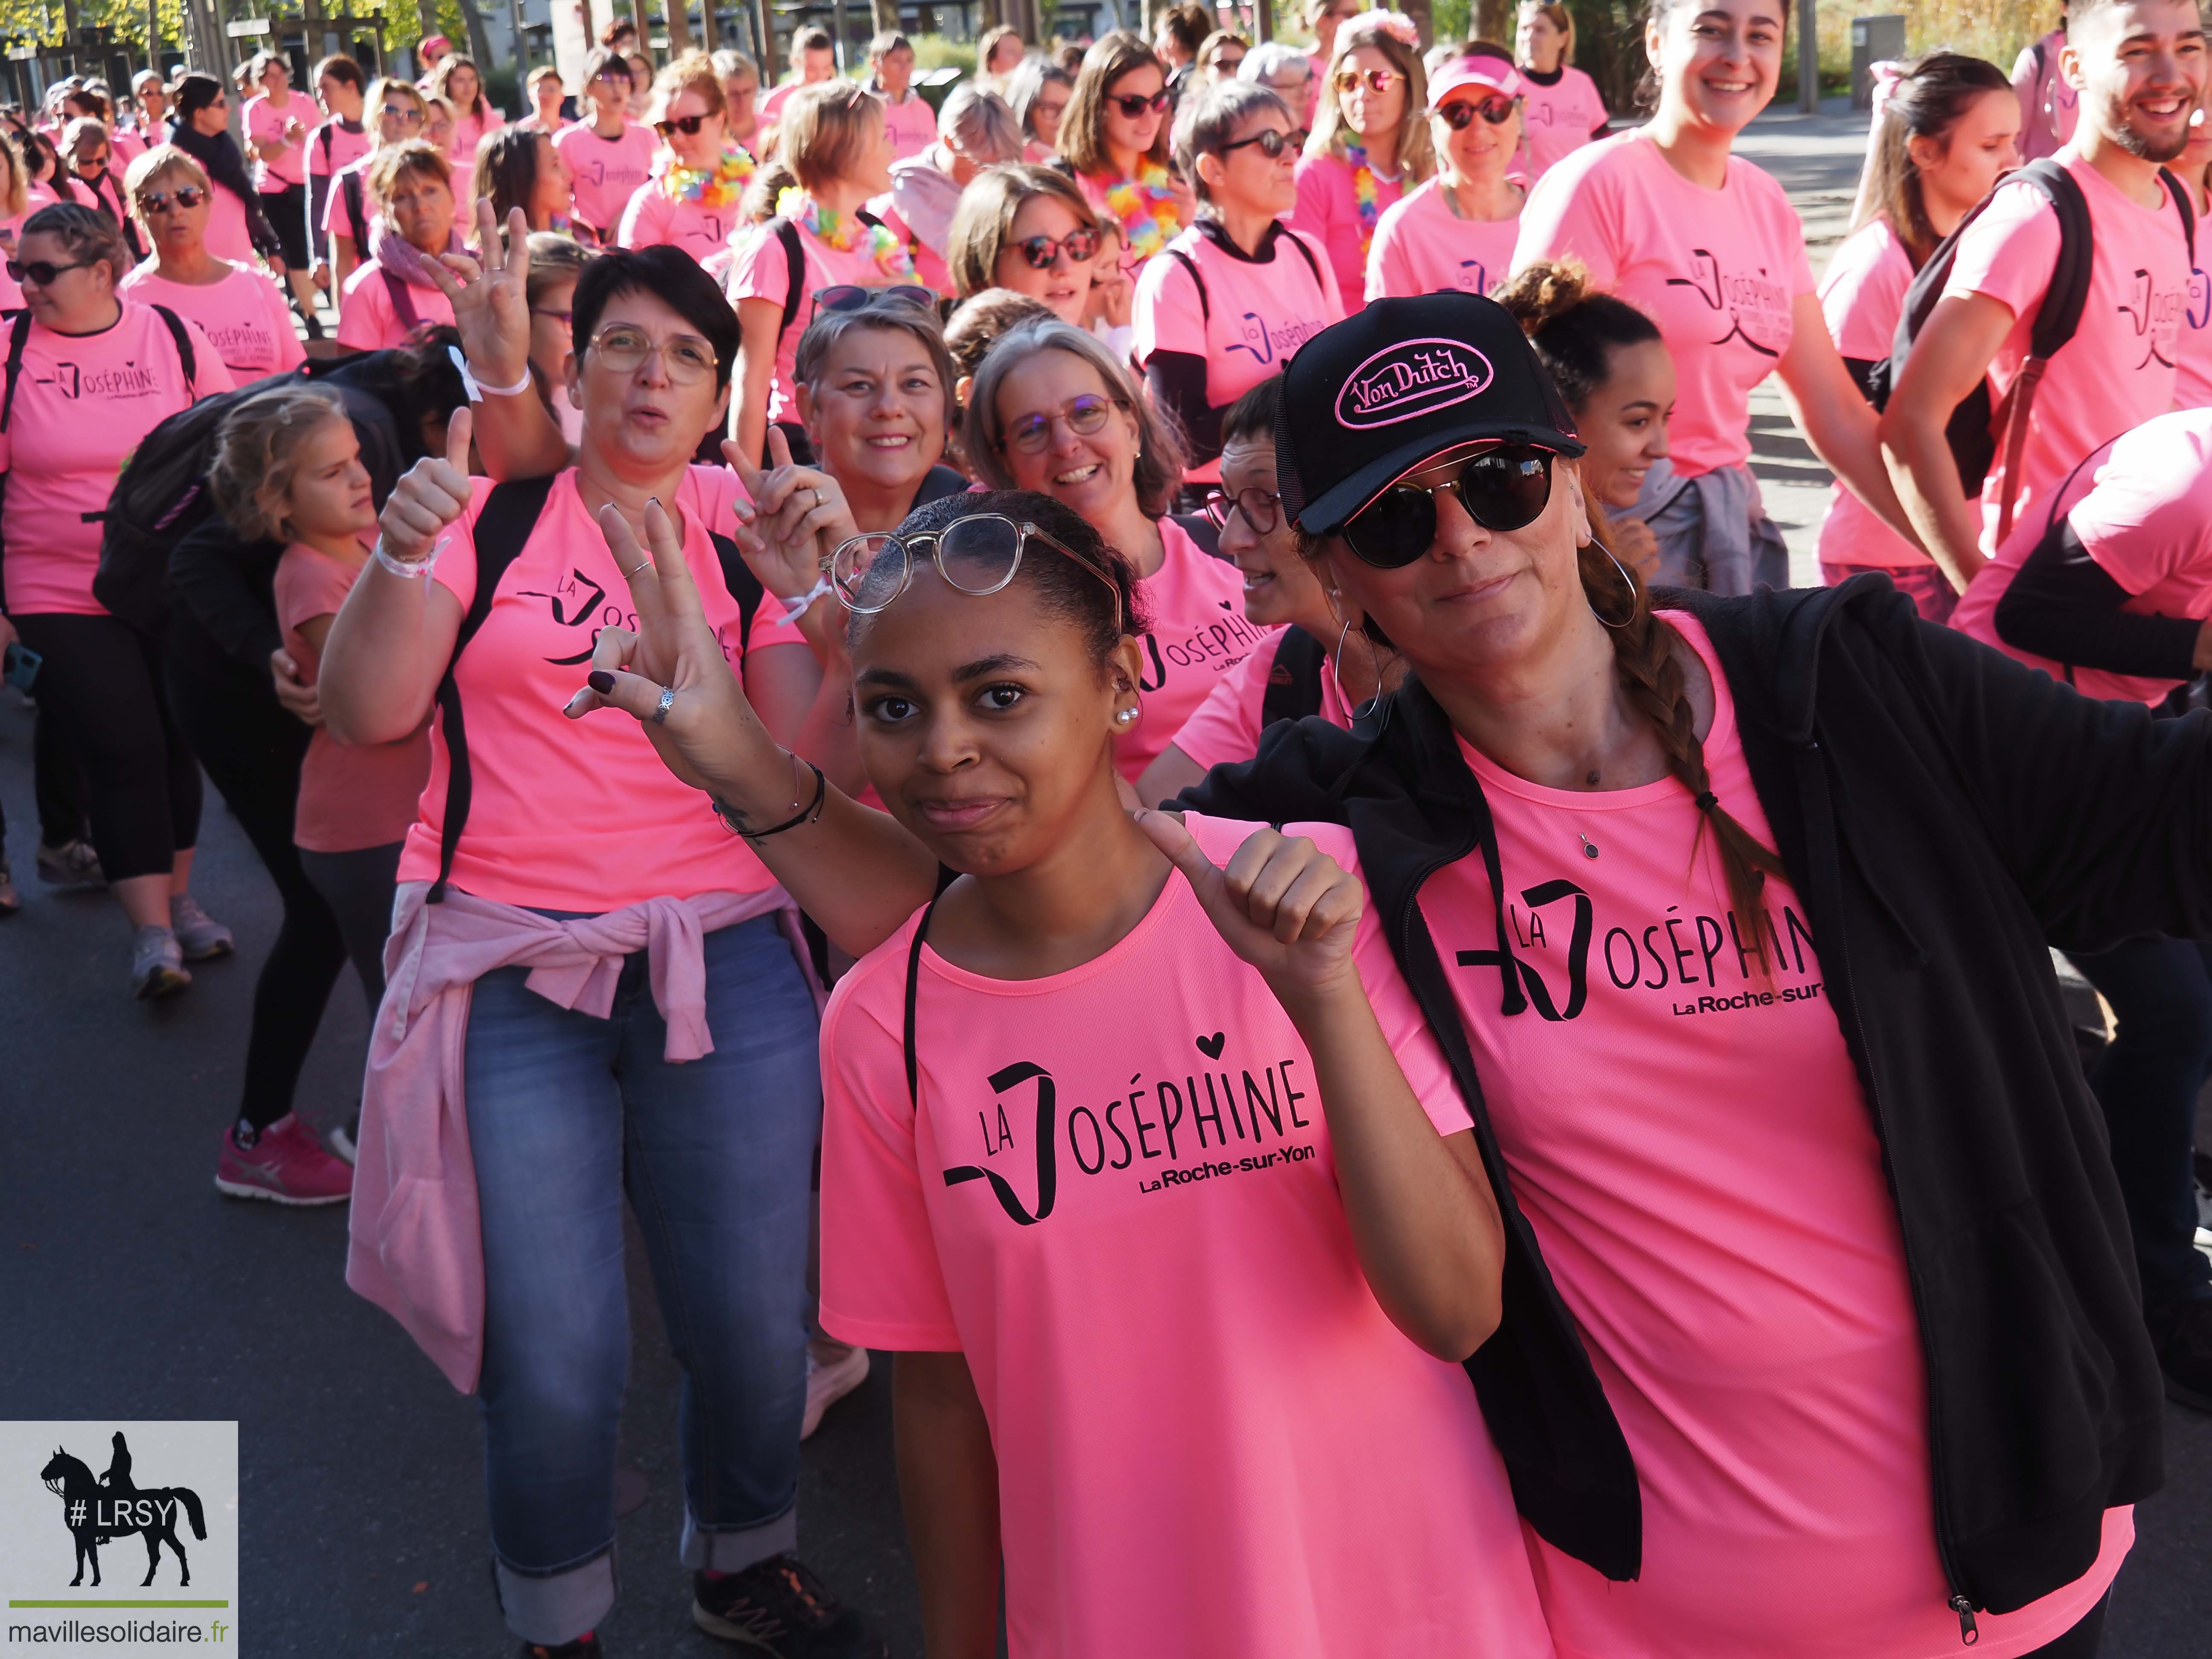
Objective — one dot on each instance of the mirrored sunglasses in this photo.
(160, 201)
(1081, 247)
(1377, 81)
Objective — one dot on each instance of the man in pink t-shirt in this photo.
(2140, 69)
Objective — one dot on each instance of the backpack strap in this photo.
(327, 133)
(744, 587)
(18, 337)
(357, 212)
(912, 994)
(1294, 684)
(2056, 319)
(1312, 263)
(1204, 308)
(402, 301)
(794, 262)
(510, 514)
(185, 355)
(2182, 206)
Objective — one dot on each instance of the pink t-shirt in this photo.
(2117, 370)
(2192, 368)
(652, 218)
(1861, 296)
(264, 124)
(346, 148)
(606, 171)
(1198, 634)
(1328, 211)
(337, 221)
(761, 271)
(469, 130)
(1253, 317)
(227, 236)
(1421, 246)
(370, 319)
(244, 315)
(2143, 511)
(1717, 269)
(1560, 118)
(83, 402)
(1226, 726)
(911, 124)
(771, 107)
(1690, 1142)
(1333, 1493)
(573, 815)
(351, 795)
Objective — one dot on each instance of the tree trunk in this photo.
(1423, 19)
(479, 42)
(886, 15)
(678, 13)
(1494, 20)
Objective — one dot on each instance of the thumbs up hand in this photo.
(431, 496)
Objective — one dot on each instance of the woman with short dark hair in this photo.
(238, 230)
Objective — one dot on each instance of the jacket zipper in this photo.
(1840, 965)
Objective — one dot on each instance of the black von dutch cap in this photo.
(1399, 380)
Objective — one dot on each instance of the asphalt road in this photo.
(129, 1289)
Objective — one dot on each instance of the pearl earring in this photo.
(1125, 715)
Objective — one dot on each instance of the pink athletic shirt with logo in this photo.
(2117, 371)
(227, 236)
(264, 124)
(573, 815)
(1861, 295)
(243, 315)
(654, 218)
(368, 316)
(2143, 512)
(1717, 269)
(1198, 634)
(469, 132)
(1328, 211)
(2192, 368)
(346, 149)
(1421, 246)
(351, 795)
(761, 271)
(1254, 315)
(1226, 728)
(1210, 1440)
(910, 124)
(336, 221)
(1560, 118)
(606, 171)
(82, 403)
(1691, 1143)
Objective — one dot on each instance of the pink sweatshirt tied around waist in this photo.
(416, 1246)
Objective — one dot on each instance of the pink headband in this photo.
(1491, 74)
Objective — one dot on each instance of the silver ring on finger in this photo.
(659, 715)
(816, 488)
(632, 572)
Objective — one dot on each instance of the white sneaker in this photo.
(827, 1384)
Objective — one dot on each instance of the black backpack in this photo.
(510, 514)
(1294, 685)
(1980, 425)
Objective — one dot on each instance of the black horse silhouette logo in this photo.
(111, 1507)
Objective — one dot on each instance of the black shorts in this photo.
(288, 210)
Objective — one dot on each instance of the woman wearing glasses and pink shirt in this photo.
(1370, 145)
(1053, 411)
(1457, 230)
(693, 203)
(237, 305)
(1115, 139)
(1239, 292)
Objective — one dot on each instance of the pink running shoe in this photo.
(287, 1165)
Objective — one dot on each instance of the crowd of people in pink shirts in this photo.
(1137, 733)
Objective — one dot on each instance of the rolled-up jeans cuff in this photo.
(557, 1606)
(733, 1549)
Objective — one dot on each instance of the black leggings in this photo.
(101, 683)
(2081, 1642)
(57, 785)
(358, 887)
(253, 749)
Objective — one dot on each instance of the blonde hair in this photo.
(985, 219)
(825, 129)
(1416, 151)
(373, 106)
(693, 72)
(257, 455)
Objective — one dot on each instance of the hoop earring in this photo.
(1626, 581)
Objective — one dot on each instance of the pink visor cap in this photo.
(1490, 74)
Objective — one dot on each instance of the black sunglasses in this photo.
(157, 201)
(41, 271)
(688, 125)
(1272, 142)
(1134, 105)
(1496, 111)
(850, 296)
(1503, 488)
(1081, 247)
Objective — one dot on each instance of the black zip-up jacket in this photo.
(1944, 813)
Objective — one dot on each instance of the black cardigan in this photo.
(1945, 813)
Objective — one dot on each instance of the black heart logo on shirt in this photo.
(1225, 604)
(1212, 1047)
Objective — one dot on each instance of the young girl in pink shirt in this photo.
(1709, 247)
(1239, 292)
(459, 83)
(1324, 1254)
(1115, 138)
(1457, 230)
(702, 172)
(1949, 129)
(237, 305)
(1370, 145)
(1051, 410)
(1563, 108)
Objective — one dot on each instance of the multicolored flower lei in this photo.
(835, 230)
(1147, 208)
(1363, 195)
(720, 187)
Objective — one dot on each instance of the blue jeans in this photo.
(567, 1113)
(2147, 1081)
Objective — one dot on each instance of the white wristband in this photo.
(408, 568)
(476, 389)
(800, 605)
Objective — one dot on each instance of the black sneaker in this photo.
(586, 1646)
(2185, 1354)
(778, 1607)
